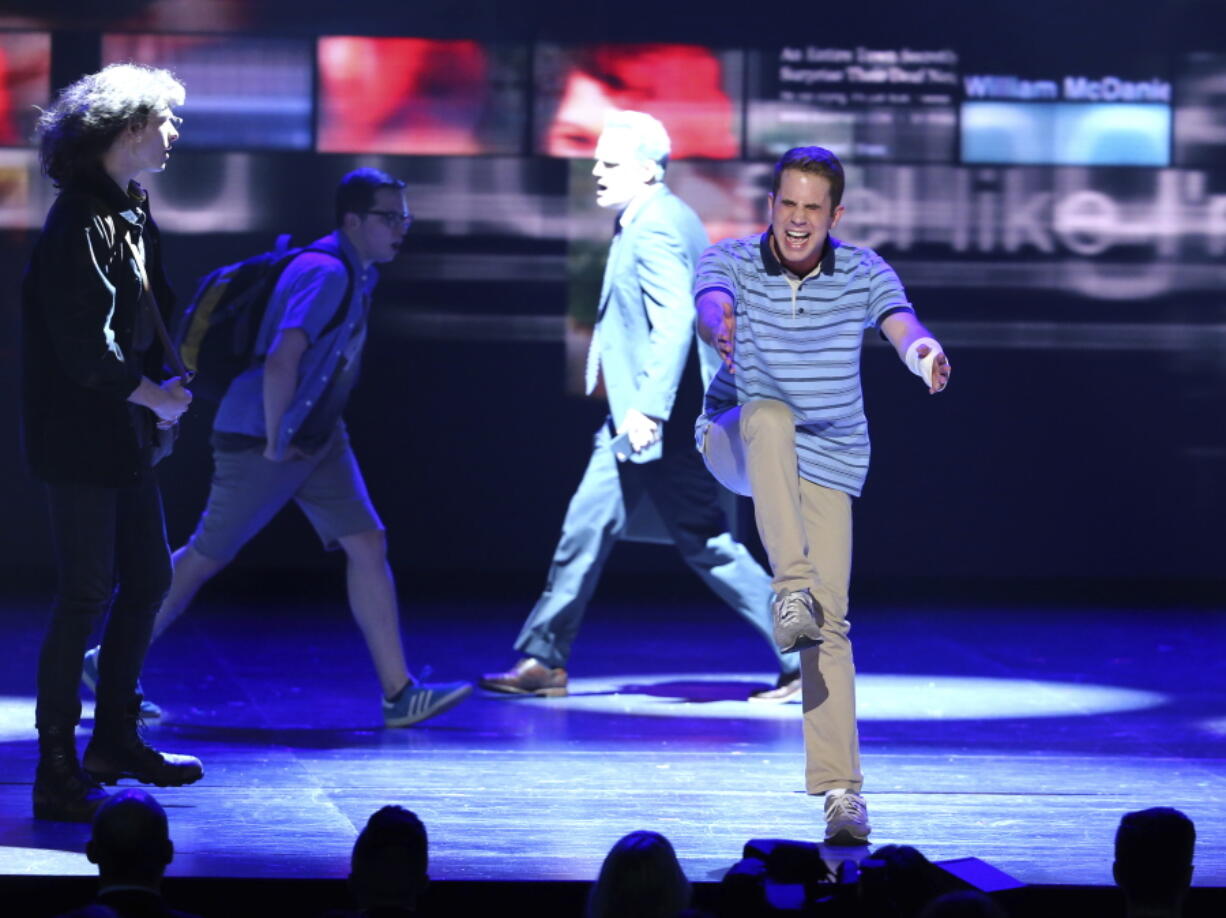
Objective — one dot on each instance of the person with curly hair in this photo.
(97, 403)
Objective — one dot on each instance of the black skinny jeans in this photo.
(111, 553)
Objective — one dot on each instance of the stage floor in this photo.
(1018, 735)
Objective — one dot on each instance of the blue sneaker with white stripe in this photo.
(89, 676)
(419, 700)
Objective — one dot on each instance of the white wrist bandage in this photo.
(922, 367)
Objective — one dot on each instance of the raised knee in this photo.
(766, 415)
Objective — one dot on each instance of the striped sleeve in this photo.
(885, 291)
(715, 272)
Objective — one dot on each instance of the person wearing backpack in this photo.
(97, 403)
(279, 435)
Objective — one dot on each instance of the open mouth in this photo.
(796, 238)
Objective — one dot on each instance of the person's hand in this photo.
(940, 369)
(717, 315)
(642, 431)
(172, 402)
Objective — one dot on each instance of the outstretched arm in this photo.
(917, 349)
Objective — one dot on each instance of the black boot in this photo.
(118, 751)
(62, 791)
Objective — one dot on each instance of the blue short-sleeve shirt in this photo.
(307, 296)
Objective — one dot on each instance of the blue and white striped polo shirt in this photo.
(798, 341)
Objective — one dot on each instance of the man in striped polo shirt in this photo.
(783, 423)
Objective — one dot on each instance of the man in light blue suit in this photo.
(641, 344)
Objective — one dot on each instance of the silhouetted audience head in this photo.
(640, 878)
(899, 880)
(130, 841)
(390, 861)
(964, 903)
(742, 891)
(1153, 859)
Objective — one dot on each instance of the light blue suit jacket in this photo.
(645, 322)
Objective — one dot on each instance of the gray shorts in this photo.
(249, 490)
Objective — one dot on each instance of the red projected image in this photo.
(247, 92)
(688, 87)
(25, 81)
(416, 95)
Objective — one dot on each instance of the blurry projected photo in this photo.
(420, 96)
(25, 81)
(1066, 133)
(865, 104)
(695, 91)
(1200, 112)
(252, 93)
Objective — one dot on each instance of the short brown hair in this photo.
(815, 161)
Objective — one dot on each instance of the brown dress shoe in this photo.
(528, 677)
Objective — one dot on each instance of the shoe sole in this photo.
(448, 702)
(769, 697)
(846, 838)
(148, 709)
(114, 777)
(801, 642)
(553, 691)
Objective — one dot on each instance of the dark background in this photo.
(1079, 452)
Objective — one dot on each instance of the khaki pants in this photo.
(806, 530)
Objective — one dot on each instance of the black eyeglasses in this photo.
(393, 218)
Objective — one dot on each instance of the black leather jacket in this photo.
(86, 342)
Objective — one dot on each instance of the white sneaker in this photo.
(846, 819)
(795, 621)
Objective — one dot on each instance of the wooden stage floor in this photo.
(1013, 734)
